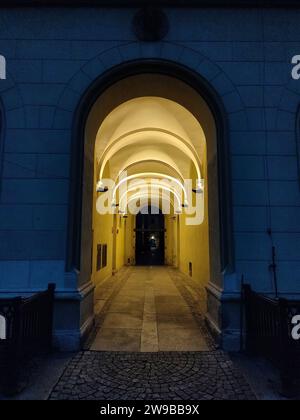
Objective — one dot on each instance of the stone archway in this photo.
(212, 100)
(196, 95)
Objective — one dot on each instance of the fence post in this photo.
(13, 350)
(51, 297)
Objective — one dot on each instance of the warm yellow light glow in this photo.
(154, 137)
(152, 175)
(151, 194)
(162, 198)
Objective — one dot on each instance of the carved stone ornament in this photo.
(150, 24)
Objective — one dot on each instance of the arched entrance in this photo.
(110, 138)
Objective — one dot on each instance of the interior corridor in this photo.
(143, 309)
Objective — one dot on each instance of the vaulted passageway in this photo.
(150, 198)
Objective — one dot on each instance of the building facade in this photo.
(232, 68)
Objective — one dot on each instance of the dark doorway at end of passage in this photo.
(150, 238)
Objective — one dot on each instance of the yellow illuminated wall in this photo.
(194, 242)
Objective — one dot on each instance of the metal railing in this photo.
(269, 334)
(28, 331)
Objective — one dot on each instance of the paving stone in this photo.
(176, 376)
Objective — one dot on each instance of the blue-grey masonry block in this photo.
(247, 51)
(272, 96)
(94, 68)
(285, 219)
(293, 26)
(290, 101)
(238, 121)
(12, 99)
(253, 246)
(252, 96)
(15, 118)
(37, 141)
(292, 49)
(281, 143)
(88, 49)
(26, 245)
(150, 50)
(275, 25)
(248, 167)
(197, 26)
(53, 166)
(60, 71)
(256, 119)
(246, 25)
(15, 217)
(32, 115)
(34, 191)
(49, 217)
(223, 84)
(286, 120)
(283, 168)
(271, 119)
(69, 100)
(275, 51)
(63, 119)
(44, 272)
(46, 116)
(277, 73)
(191, 58)
(289, 277)
(41, 93)
(169, 51)
(250, 219)
(248, 143)
(80, 82)
(250, 193)
(208, 69)
(244, 73)
(7, 46)
(43, 49)
(285, 193)
(257, 274)
(19, 165)
(76, 23)
(14, 275)
(287, 246)
(111, 57)
(26, 71)
(216, 51)
(232, 102)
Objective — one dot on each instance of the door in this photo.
(150, 239)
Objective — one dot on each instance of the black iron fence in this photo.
(26, 330)
(269, 334)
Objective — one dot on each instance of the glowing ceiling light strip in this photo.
(162, 187)
(147, 175)
(171, 138)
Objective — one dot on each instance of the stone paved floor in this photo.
(152, 376)
(143, 314)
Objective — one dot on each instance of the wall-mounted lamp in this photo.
(114, 204)
(100, 187)
(200, 187)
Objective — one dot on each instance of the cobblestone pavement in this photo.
(162, 375)
(152, 376)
